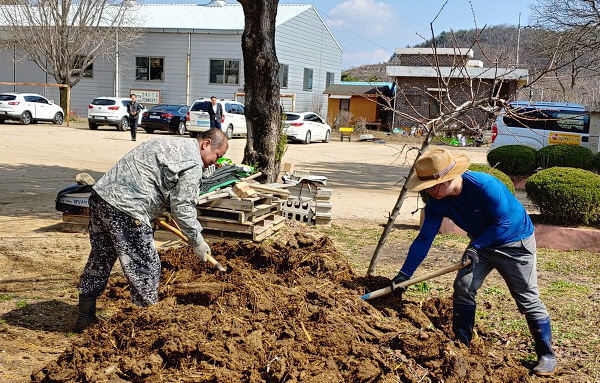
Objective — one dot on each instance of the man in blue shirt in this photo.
(501, 236)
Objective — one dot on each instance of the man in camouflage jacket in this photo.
(158, 173)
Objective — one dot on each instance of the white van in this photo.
(539, 124)
(233, 122)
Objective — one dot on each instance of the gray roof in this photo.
(356, 88)
(430, 51)
(450, 72)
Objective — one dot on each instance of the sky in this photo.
(370, 30)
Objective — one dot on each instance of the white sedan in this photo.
(306, 127)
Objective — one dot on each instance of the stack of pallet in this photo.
(249, 211)
(76, 222)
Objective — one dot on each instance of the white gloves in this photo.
(202, 251)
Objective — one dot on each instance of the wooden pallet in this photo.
(227, 215)
(256, 234)
(75, 223)
(245, 204)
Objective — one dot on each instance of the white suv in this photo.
(233, 122)
(29, 107)
(110, 111)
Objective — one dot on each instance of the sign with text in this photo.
(147, 96)
(557, 138)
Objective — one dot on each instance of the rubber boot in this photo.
(87, 313)
(463, 320)
(542, 334)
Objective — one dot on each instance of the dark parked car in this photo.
(165, 117)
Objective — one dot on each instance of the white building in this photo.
(207, 40)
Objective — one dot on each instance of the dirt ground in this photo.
(40, 265)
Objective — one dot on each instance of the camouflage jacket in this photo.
(158, 173)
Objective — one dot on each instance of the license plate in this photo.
(154, 116)
(203, 123)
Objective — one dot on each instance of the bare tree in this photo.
(261, 68)
(63, 37)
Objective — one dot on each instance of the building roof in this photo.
(451, 72)
(352, 88)
(440, 51)
(201, 17)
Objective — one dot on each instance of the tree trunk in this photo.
(63, 100)
(261, 85)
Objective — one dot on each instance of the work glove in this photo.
(202, 251)
(470, 254)
(401, 277)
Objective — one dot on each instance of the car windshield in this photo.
(7, 97)
(200, 106)
(291, 117)
(103, 101)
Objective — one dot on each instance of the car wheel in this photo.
(25, 118)
(327, 134)
(229, 132)
(58, 119)
(149, 131)
(193, 134)
(93, 126)
(124, 124)
(181, 128)
(307, 139)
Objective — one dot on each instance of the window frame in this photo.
(224, 71)
(307, 85)
(345, 101)
(284, 80)
(329, 78)
(149, 68)
(417, 104)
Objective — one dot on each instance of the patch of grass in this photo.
(582, 263)
(21, 304)
(550, 266)
(5, 297)
(558, 287)
(494, 290)
(422, 287)
(2, 321)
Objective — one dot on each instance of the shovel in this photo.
(178, 233)
(386, 290)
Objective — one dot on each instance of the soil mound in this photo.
(284, 312)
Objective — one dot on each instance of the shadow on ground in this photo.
(53, 316)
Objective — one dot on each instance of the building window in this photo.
(308, 79)
(149, 68)
(413, 99)
(330, 79)
(283, 75)
(87, 71)
(345, 104)
(224, 72)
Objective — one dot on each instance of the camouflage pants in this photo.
(114, 234)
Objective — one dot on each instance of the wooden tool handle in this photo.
(209, 257)
(386, 290)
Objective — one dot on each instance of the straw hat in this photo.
(436, 166)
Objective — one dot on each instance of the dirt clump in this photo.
(283, 312)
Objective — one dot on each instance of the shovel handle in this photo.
(386, 290)
(178, 233)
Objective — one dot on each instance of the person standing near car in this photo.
(133, 109)
(501, 237)
(157, 173)
(215, 113)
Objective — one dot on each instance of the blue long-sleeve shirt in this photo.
(485, 209)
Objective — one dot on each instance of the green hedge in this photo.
(596, 162)
(496, 173)
(571, 156)
(566, 195)
(513, 159)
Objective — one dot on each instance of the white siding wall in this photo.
(301, 42)
(304, 42)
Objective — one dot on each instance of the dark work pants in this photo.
(216, 124)
(516, 263)
(114, 234)
(133, 123)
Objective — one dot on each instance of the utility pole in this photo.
(518, 38)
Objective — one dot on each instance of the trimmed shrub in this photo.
(566, 195)
(513, 159)
(596, 162)
(496, 173)
(571, 156)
